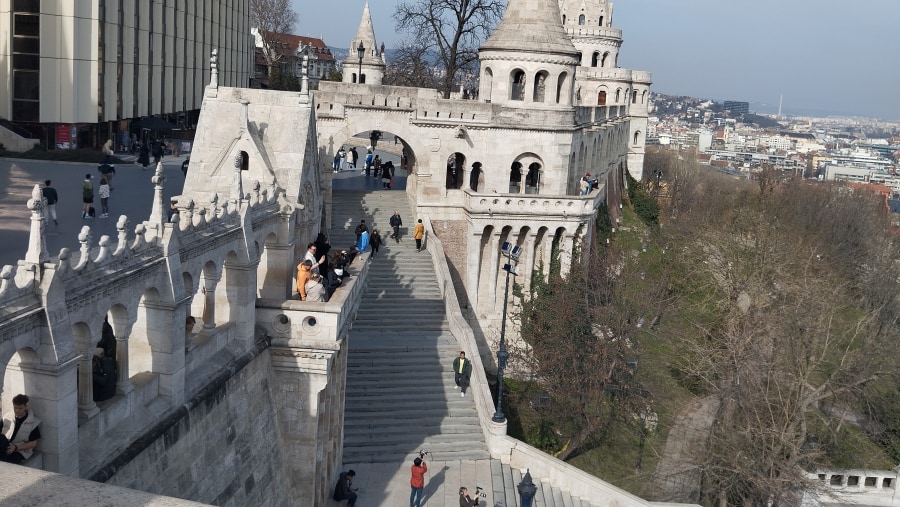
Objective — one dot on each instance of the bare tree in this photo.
(271, 18)
(453, 29)
(411, 66)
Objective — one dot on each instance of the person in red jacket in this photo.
(417, 481)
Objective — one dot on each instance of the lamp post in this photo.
(511, 252)
(360, 51)
(527, 490)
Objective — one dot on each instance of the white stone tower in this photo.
(528, 59)
(599, 80)
(369, 70)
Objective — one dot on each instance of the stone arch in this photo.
(644, 97)
(149, 335)
(487, 83)
(601, 98)
(634, 96)
(17, 377)
(360, 121)
(245, 161)
(540, 86)
(228, 288)
(581, 19)
(637, 137)
(595, 59)
(456, 164)
(476, 177)
(618, 95)
(271, 265)
(603, 59)
(530, 167)
(204, 302)
(517, 84)
(515, 178)
(561, 84)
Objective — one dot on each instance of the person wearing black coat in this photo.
(144, 156)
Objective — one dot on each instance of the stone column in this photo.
(86, 403)
(565, 254)
(240, 297)
(529, 248)
(209, 302)
(123, 381)
(473, 270)
(54, 400)
(491, 286)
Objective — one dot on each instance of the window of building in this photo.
(595, 58)
(601, 98)
(26, 61)
(581, 19)
(518, 85)
(540, 85)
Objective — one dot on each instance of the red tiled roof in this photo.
(290, 43)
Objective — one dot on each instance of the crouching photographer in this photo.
(467, 501)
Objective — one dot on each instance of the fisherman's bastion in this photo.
(267, 398)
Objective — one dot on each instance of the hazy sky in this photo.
(834, 56)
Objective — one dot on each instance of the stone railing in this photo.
(595, 31)
(873, 488)
(598, 114)
(316, 321)
(538, 205)
(494, 433)
(27, 486)
(507, 449)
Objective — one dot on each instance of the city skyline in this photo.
(807, 51)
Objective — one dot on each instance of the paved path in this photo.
(132, 196)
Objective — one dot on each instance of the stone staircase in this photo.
(400, 394)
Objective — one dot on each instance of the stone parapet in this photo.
(872, 488)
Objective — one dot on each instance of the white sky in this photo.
(833, 56)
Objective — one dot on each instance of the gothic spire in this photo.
(532, 26)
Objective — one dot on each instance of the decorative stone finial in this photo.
(304, 80)
(245, 115)
(37, 242)
(214, 68)
(237, 188)
(158, 213)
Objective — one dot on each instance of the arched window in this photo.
(601, 98)
(540, 84)
(595, 58)
(564, 19)
(637, 137)
(455, 165)
(475, 176)
(601, 21)
(487, 83)
(603, 60)
(560, 86)
(518, 85)
(634, 97)
(353, 77)
(515, 178)
(581, 19)
(644, 97)
(362, 79)
(533, 178)
(245, 161)
(618, 95)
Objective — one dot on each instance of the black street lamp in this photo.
(360, 51)
(527, 490)
(511, 252)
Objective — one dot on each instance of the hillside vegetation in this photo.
(772, 305)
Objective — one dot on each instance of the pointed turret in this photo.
(372, 65)
(531, 26)
(529, 58)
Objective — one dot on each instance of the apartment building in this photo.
(90, 66)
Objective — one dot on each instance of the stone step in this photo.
(415, 440)
(395, 455)
(453, 425)
(399, 403)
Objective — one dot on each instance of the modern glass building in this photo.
(92, 65)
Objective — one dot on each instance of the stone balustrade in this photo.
(595, 31)
(538, 205)
(875, 488)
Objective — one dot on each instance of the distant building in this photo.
(76, 72)
(291, 49)
(737, 107)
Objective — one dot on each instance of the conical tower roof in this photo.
(532, 26)
(365, 34)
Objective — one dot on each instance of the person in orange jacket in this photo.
(304, 271)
